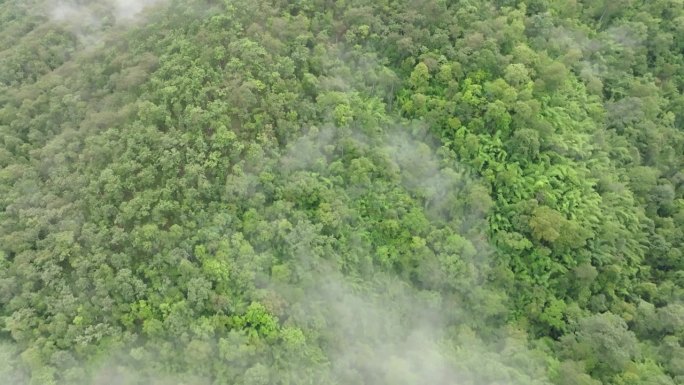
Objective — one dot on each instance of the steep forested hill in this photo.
(341, 192)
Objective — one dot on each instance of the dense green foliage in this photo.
(342, 192)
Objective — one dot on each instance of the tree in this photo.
(420, 78)
(573, 373)
(609, 345)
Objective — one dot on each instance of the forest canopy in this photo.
(381, 192)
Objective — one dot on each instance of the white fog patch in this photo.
(92, 12)
(88, 19)
(390, 334)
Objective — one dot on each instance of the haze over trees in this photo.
(341, 192)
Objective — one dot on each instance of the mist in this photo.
(91, 12)
(388, 330)
(89, 19)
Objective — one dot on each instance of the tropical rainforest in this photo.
(385, 192)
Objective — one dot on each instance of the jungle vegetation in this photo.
(342, 192)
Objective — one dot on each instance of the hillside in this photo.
(381, 192)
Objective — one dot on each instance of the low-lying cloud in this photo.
(87, 19)
(91, 12)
